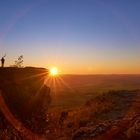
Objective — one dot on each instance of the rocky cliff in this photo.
(26, 96)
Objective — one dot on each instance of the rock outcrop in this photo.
(26, 95)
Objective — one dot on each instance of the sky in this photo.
(76, 36)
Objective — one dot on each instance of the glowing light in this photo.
(53, 71)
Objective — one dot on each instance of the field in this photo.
(73, 90)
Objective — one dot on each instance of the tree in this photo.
(19, 61)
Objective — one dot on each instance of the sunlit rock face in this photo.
(26, 94)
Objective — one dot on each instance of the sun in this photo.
(53, 71)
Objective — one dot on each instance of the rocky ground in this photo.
(111, 116)
(123, 122)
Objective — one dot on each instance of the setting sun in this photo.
(53, 71)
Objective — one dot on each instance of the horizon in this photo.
(78, 36)
(79, 74)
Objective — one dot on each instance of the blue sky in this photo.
(77, 36)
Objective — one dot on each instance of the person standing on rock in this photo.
(2, 61)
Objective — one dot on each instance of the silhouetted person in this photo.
(2, 62)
